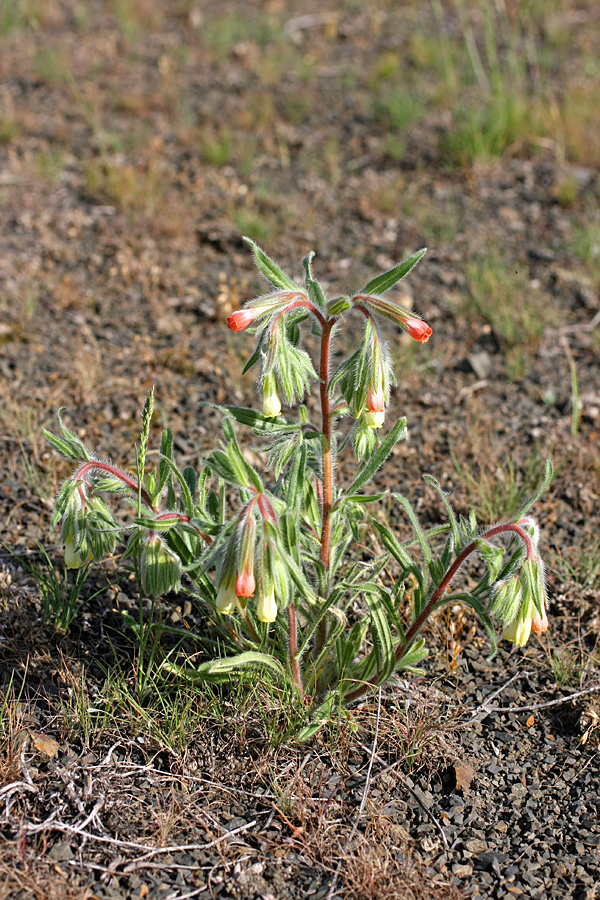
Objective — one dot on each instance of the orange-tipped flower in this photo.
(418, 329)
(375, 404)
(539, 623)
(245, 584)
(239, 320)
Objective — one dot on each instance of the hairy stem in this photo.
(293, 647)
(96, 464)
(327, 476)
(416, 626)
(327, 460)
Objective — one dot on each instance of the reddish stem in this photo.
(113, 470)
(293, 647)
(443, 585)
(307, 305)
(326, 431)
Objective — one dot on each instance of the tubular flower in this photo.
(75, 559)
(539, 623)
(417, 328)
(375, 404)
(271, 401)
(245, 584)
(266, 608)
(226, 598)
(519, 629)
(239, 320)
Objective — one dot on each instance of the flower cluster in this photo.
(251, 565)
(88, 527)
(519, 601)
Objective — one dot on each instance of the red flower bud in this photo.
(418, 329)
(375, 399)
(240, 320)
(539, 623)
(245, 584)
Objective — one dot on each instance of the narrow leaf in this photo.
(374, 462)
(544, 483)
(270, 269)
(388, 279)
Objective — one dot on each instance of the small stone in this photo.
(462, 871)
(60, 852)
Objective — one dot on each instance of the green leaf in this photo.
(374, 462)
(315, 291)
(416, 526)
(544, 483)
(222, 669)
(65, 448)
(367, 498)
(166, 453)
(383, 644)
(322, 716)
(434, 483)
(259, 423)
(388, 279)
(187, 500)
(270, 269)
(295, 481)
(412, 657)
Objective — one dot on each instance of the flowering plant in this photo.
(284, 592)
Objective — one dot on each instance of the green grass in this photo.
(581, 564)
(499, 292)
(495, 489)
(171, 711)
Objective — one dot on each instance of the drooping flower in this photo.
(271, 401)
(239, 320)
(375, 403)
(245, 584)
(160, 567)
(519, 629)
(226, 601)
(418, 329)
(266, 608)
(76, 559)
(539, 623)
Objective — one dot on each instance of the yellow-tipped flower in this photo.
(266, 608)
(271, 401)
(75, 559)
(519, 629)
(226, 601)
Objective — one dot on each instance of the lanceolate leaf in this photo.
(321, 717)
(261, 424)
(544, 483)
(271, 270)
(373, 463)
(383, 644)
(388, 279)
(221, 669)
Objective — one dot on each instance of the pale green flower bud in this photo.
(74, 558)
(271, 401)
(160, 568)
(507, 600)
(266, 608)
(519, 629)
(226, 601)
